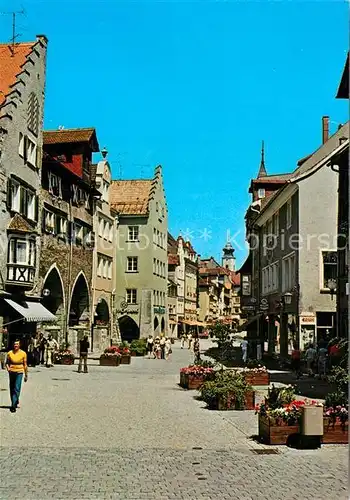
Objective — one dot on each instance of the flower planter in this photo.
(65, 360)
(125, 359)
(133, 353)
(109, 361)
(270, 433)
(262, 378)
(335, 432)
(191, 382)
(229, 403)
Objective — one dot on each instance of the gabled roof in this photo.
(131, 197)
(73, 135)
(11, 62)
(343, 90)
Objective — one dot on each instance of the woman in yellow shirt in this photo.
(16, 365)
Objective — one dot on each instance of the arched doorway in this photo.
(53, 298)
(129, 329)
(102, 313)
(156, 324)
(80, 303)
(162, 325)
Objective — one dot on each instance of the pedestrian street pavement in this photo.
(132, 433)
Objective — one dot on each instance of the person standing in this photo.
(162, 347)
(183, 340)
(322, 360)
(296, 355)
(16, 365)
(189, 340)
(156, 348)
(168, 349)
(149, 346)
(310, 359)
(42, 347)
(244, 347)
(196, 350)
(84, 347)
(51, 347)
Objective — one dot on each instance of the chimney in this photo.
(325, 129)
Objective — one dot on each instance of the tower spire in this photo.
(262, 170)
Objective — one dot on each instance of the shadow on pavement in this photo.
(309, 387)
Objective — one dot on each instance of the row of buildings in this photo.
(82, 253)
(295, 285)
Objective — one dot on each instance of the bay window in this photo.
(21, 252)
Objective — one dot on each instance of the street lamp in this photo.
(332, 285)
(287, 298)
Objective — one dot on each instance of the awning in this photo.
(31, 311)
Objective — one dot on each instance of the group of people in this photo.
(192, 342)
(158, 347)
(319, 359)
(41, 350)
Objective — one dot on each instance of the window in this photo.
(132, 264)
(61, 225)
(15, 194)
(105, 268)
(288, 273)
(21, 145)
(49, 221)
(55, 185)
(79, 233)
(110, 233)
(131, 295)
(261, 193)
(99, 266)
(100, 227)
(33, 114)
(22, 252)
(31, 152)
(276, 225)
(110, 270)
(154, 265)
(289, 213)
(154, 235)
(30, 205)
(329, 267)
(106, 230)
(270, 278)
(133, 233)
(157, 237)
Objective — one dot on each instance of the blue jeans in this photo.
(15, 387)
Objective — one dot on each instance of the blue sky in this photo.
(195, 87)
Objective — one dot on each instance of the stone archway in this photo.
(102, 313)
(129, 329)
(155, 325)
(54, 300)
(80, 302)
(162, 325)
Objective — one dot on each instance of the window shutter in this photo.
(9, 194)
(23, 201)
(36, 208)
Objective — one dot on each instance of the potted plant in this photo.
(335, 421)
(64, 356)
(227, 391)
(193, 376)
(110, 357)
(124, 351)
(138, 347)
(256, 374)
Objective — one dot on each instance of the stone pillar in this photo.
(146, 313)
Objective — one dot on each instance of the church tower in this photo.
(228, 258)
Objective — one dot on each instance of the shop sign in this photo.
(264, 305)
(307, 320)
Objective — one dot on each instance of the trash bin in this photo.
(311, 428)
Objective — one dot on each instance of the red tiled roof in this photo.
(272, 179)
(131, 197)
(11, 65)
(68, 135)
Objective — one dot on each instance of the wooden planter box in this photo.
(230, 403)
(109, 361)
(275, 434)
(125, 359)
(334, 433)
(138, 354)
(191, 382)
(66, 360)
(257, 378)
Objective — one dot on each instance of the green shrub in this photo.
(226, 384)
(139, 346)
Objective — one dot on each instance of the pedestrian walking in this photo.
(189, 340)
(196, 350)
(244, 347)
(51, 347)
(296, 357)
(162, 347)
(32, 346)
(183, 340)
(16, 365)
(310, 355)
(168, 348)
(156, 349)
(42, 347)
(322, 360)
(149, 346)
(84, 347)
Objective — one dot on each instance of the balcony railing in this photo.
(20, 275)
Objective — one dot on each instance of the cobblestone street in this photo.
(131, 433)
